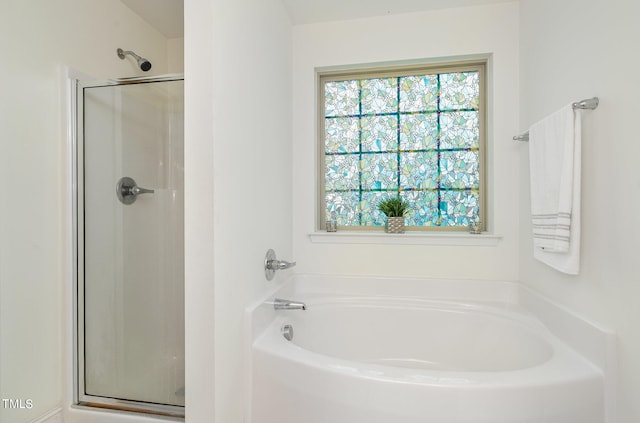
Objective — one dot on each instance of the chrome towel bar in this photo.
(590, 103)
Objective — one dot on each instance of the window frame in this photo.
(357, 73)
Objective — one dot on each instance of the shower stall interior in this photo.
(129, 244)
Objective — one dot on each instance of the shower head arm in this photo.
(122, 54)
(143, 63)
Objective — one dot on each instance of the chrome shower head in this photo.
(143, 63)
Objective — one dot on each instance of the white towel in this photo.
(554, 155)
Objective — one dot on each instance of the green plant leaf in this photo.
(393, 207)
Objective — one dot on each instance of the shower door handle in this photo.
(127, 190)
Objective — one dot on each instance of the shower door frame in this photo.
(80, 398)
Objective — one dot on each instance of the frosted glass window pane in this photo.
(379, 171)
(342, 172)
(341, 98)
(460, 130)
(343, 207)
(419, 132)
(460, 90)
(379, 133)
(459, 169)
(379, 96)
(342, 135)
(418, 93)
(424, 208)
(371, 216)
(419, 170)
(458, 207)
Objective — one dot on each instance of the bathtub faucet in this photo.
(280, 304)
(271, 264)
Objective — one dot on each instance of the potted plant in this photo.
(395, 209)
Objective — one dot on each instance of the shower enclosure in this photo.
(130, 247)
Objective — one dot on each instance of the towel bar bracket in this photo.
(590, 104)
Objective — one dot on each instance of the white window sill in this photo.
(407, 238)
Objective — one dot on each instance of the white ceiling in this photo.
(167, 16)
(310, 11)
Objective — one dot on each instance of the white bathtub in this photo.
(375, 350)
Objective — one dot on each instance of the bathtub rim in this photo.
(506, 314)
(270, 342)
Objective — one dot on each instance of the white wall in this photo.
(238, 185)
(36, 39)
(572, 50)
(428, 35)
(175, 47)
(198, 212)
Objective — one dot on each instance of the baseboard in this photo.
(53, 416)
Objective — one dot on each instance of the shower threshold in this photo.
(175, 412)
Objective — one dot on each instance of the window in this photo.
(417, 133)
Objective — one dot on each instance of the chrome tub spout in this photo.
(280, 304)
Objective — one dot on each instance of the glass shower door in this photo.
(130, 245)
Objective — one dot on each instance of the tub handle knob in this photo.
(281, 264)
(271, 264)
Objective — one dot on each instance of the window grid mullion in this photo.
(359, 208)
(419, 112)
(438, 137)
(398, 155)
(427, 150)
